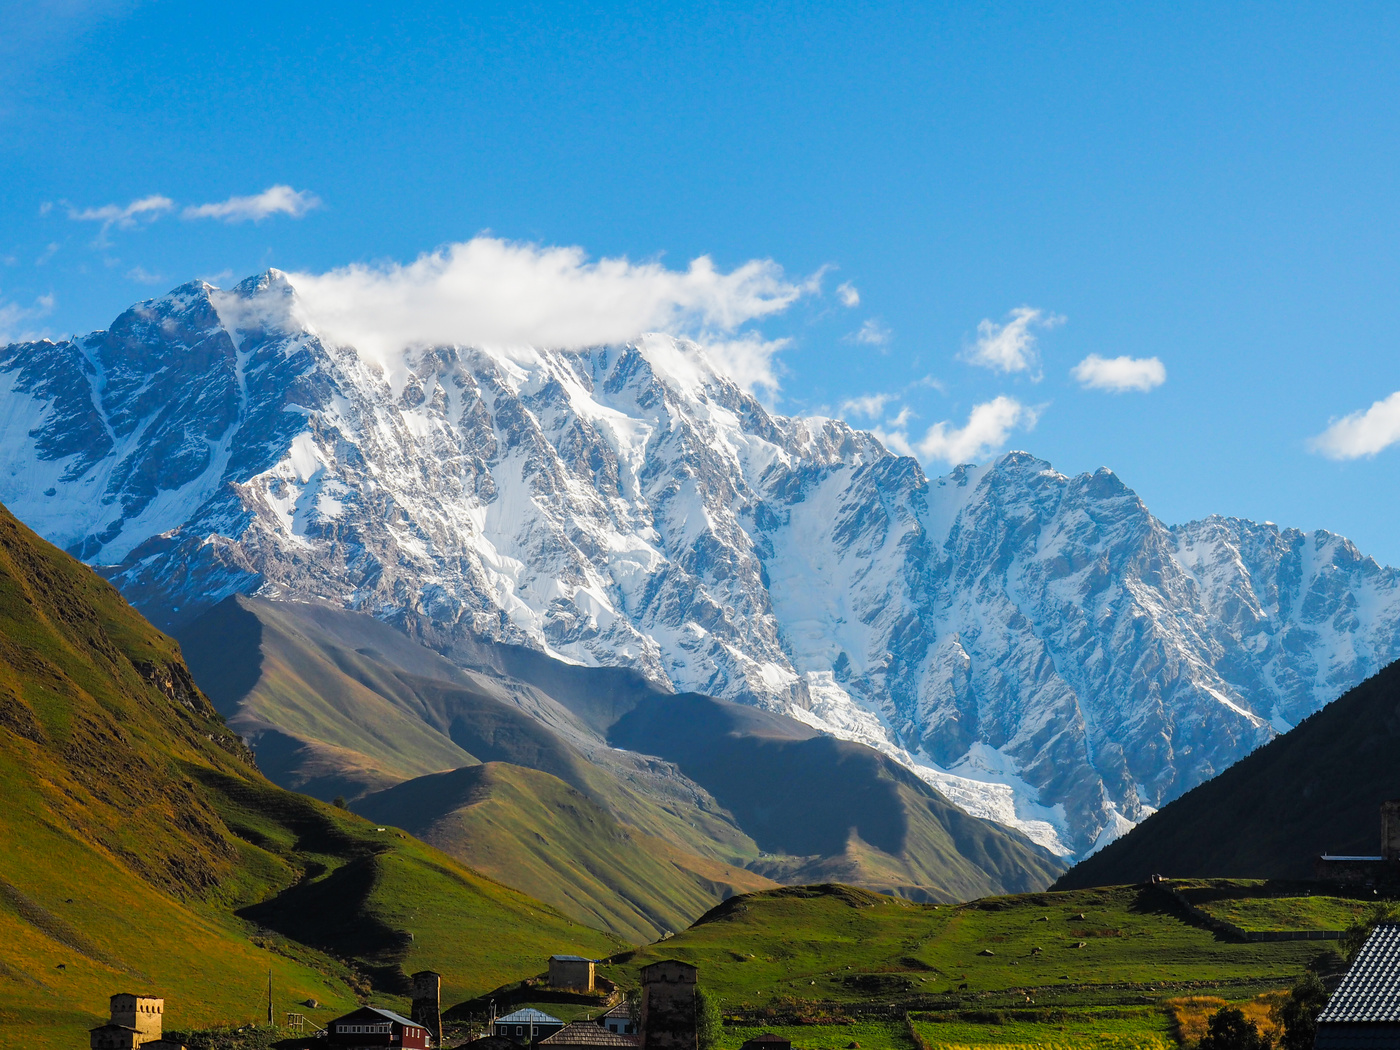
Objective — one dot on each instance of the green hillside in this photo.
(145, 852)
(827, 965)
(551, 841)
(339, 703)
(1315, 789)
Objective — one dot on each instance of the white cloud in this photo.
(901, 421)
(1010, 347)
(867, 405)
(124, 217)
(748, 360)
(1361, 433)
(872, 333)
(504, 295)
(275, 200)
(1119, 374)
(987, 428)
(141, 275)
(14, 319)
(846, 292)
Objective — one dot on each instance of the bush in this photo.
(1229, 1030)
(1357, 933)
(1297, 1014)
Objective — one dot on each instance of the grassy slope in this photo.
(354, 710)
(549, 840)
(1318, 788)
(819, 953)
(136, 831)
(342, 704)
(818, 809)
(832, 810)
(798, 948)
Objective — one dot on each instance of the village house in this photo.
(1364, 1012)
(588, 1035)
(526, 1026)
(372, 1026)
(572, 972)
(619, 1020)
(137, 1022)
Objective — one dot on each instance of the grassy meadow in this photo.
(1114, 967)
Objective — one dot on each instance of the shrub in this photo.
(1228, 1029)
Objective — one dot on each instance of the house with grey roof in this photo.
(526, 1026)
(1364, 1011)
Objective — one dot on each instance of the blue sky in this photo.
(1008, 190)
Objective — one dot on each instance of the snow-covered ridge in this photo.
(1038, 646)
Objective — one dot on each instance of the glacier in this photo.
(1037, 646)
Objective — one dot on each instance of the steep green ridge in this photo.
(145, 852)
(544, 837)
(728, 781)
(1315, 789)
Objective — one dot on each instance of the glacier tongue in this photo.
(1037, 646)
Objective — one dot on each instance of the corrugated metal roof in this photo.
(400, 1018)
(1370, 991)
(588, 1033)
(529, 1015)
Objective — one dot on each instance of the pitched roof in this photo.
(1370, 991)
(387, 1014)
(620, 1010)
(400, 1018)
(529, 1015)
(571, 958)
(588, 1033)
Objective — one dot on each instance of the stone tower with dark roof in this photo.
(668, 1006)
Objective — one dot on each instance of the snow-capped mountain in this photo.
(1039, 647)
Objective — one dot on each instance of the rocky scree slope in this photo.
(1038, 646)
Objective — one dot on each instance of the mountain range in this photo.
(1038, 647)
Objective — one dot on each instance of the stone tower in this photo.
(1390, 829)
(668, 1006)
(427, 1003)
(142, 1012)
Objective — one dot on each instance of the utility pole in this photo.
(269, 996)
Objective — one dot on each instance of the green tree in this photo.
(708, 1023)
(1228, 1029)
(1356, 934)
(1297, 1014)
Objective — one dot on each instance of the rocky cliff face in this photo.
(1038, 646)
